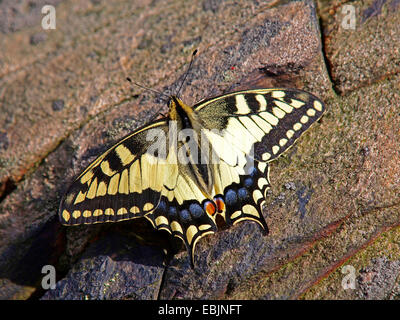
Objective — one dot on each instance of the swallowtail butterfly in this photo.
(196, 164)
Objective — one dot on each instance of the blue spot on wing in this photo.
(243, 194)
(196, 210)
(231, 197)
(184, 215)
(248, 182)
(172, 212)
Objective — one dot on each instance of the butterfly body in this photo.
(197, 165)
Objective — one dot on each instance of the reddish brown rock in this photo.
(361, 41)
(335, 194)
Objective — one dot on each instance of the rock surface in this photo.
(334, 205)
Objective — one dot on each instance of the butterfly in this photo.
(197, 167)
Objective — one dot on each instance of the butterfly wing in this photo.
(182, 212)
(187, 215)
(261, 123)
(132, 179)
(120, 184)
(247, 130)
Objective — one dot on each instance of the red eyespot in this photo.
(220, 204)
(209, 207)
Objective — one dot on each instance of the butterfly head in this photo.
(174, 101)
(181, 112)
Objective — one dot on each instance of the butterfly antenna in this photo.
(158, 113)
(146, 88)
(187, 72)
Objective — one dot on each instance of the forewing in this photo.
(261, 123)
(120, 184)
